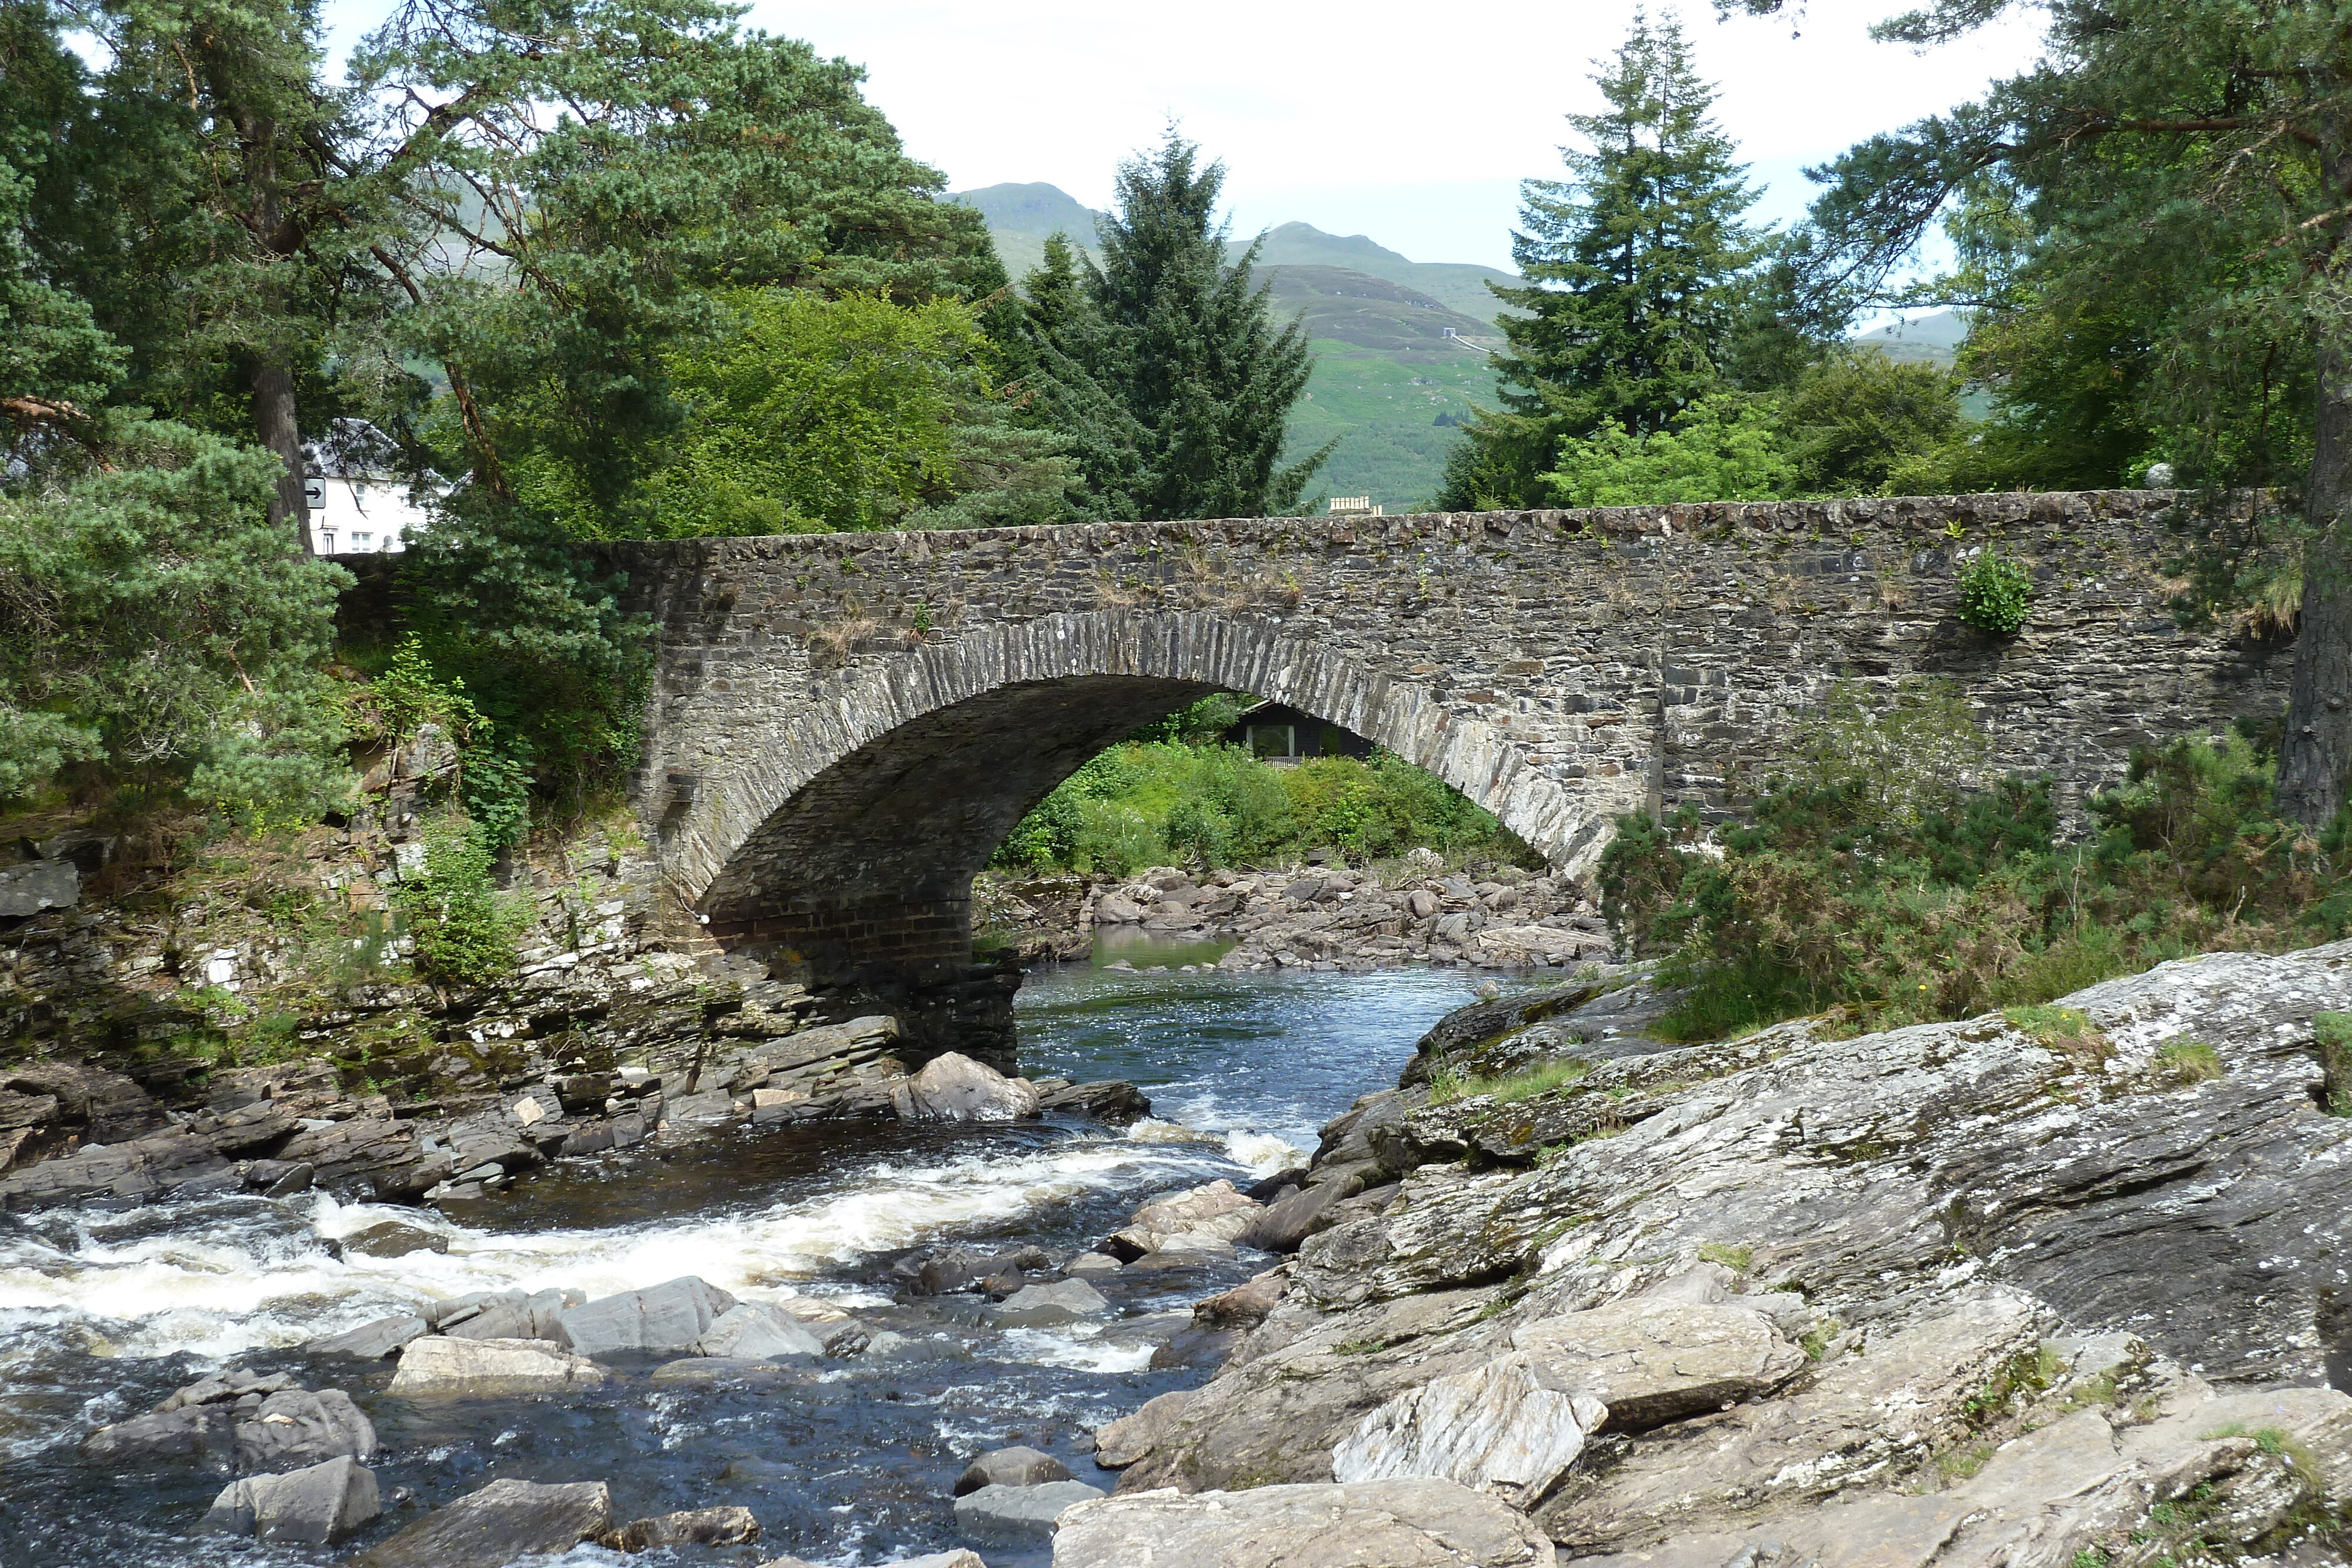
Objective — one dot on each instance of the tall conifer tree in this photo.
(1636, 266)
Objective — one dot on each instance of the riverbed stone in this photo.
(1214, 1210)
(1043, 1306)
(668, 1317)
(198, 1434)
(315, 1505)
(504, 1521)
(1282, 1226)
(1128, 1439)
(729, 1525)
(1015, 1467)
(296, 1429)
(440, 1368)
(1018, 1516)
(754, 1331)
(1406, 1522)
(515, 1315)
(952, 1087)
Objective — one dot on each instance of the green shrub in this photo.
(1825, 898)
(464, 935)
(2332, 1034)
(1996, 592)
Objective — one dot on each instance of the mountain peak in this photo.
(1294, 241)
(1035, 208)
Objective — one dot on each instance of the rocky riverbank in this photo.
(2062, 1287)
(1317, 917)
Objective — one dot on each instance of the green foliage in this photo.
(1897, 756)
(1960, 902)
(1996, 592)
(464, 935)
(2332, 1033)
(1858, 424)
(809, 415)
(151, 621)
(1144, 803)
(1637, 273)
(1447, 1085)
(2191, 1060)
(1723, 447)
(1164, 364)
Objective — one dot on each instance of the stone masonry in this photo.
(842, 727)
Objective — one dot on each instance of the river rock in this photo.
(1282, 1225)
(670, 1317)
(726, 1526)
(1495, 1429)
(1110, 1101)
(202, 1434)
(514, 1315)
(1019, 1515)
(235, 1383)
(295, 1427)
(952, 1087)
(390, 1238)
(753, 1331)
(315, 1505)
(1408, 1522)
(1652, 1362)
(959, 1558)
(1043, 1306)
(1216, 1211)
(504, 1521)
(1010, 1467)
(440, 1368)
(1123, 1441)
(1113, 909)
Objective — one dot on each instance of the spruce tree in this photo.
(1164, 363)
(1636, 270)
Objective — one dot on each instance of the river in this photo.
(104, 1313)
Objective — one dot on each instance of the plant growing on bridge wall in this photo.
(1996, 592)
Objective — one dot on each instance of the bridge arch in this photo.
(841, 839)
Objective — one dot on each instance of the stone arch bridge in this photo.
(843, 728)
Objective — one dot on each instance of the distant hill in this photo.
(1386, 370)
(1919, 340)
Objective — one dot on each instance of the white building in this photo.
(356, 508)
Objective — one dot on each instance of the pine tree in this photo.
(1164, 363)
(1636, 270)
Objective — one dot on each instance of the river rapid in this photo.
(103, 1313)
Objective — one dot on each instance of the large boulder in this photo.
(198, 1434)
(1043, 1306)
(754, 1332)
(515, 1315)
(295, 1429)
(1019, 1516)
(315, 1505)
(1215, 1212)
(504, 1521)
(439, 1367)
(666, 1317)
(952, 1087)
(1409, 1522)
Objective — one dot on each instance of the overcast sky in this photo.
(1412, 124)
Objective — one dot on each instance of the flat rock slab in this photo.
(1652, 1362)
(754, 1331)
(1018, 1516)
(373, 1341)
(1495, 1429)
(315, 1505)
(1043, 1306)
(669, 1317)
(1403, 1523)
(504, 1521)
(478, 1368)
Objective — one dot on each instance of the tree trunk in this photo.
(2316, 753)
(273, 422)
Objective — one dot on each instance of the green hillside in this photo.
(1920, 340)
(1458, 286)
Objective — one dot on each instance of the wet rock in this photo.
(1653, 1362)
(1245, 1305)
(956, 1559)
(719, 1371)
(1043, 1306)
(673, 1316)
(1495, 1429)
(314, 1506)
(1018, 1516)
(755, 1332)
(228, 1386)
(371, 1342)
(951, 1269)
(1111, 1101)
(727, 1526)
(203, 1434)
(440, 1368)
(1418, 1520)
(155, 1166)
(1016, 1466)
(1280, 1185)
(504, 1521)
(390, 1238)
(514, 1315)
(952, 1087)
(279, 1178)
(295, 1427)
